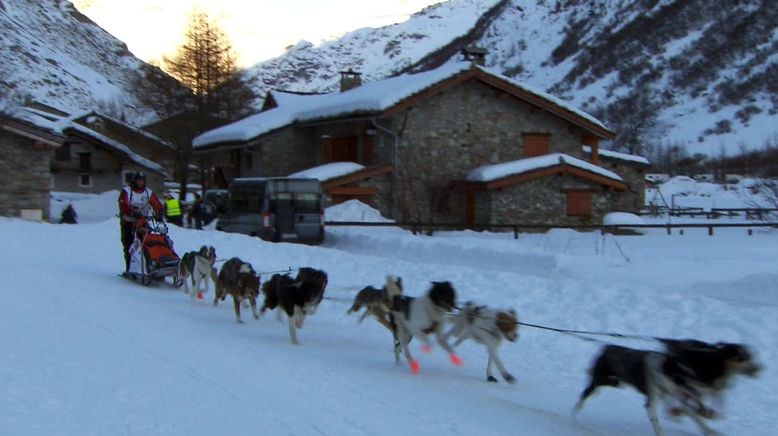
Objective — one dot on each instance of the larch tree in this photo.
(208, 91)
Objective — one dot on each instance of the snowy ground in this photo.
(86, 352)
(685, 192)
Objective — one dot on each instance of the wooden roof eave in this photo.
(547, 105)
(91, 140)
(29, 131)
(502, 85)
(545, 172)
(414, 99)
(357, 176)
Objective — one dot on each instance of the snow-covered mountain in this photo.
(703, 73)
(52, 53)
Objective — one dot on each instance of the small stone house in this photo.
(26, 144)
(100, 154)
(460, 144)
(138, 140)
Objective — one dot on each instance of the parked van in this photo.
(275, 209)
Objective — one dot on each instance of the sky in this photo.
(258, 29)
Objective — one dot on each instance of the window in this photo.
(85, 161)
(85, 180)
(63, 152)
(536, 144)
(579, 203)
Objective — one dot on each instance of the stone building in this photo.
(423, 139)
(137, 140)
(100, 154)
(26, 144)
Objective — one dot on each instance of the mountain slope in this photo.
(54, 54)
(695, 72)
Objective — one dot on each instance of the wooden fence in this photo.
(750, 213)
(429, 228)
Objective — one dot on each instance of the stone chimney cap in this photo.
(350, 72)
(475, 50)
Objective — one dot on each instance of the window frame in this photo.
(80, 180)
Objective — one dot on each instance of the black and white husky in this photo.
(684, 375)
(420, 317)
(487, 327)
(297, 298)
(197, 267)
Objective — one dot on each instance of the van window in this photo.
(245, 202)
(306, 203)
(296, 186)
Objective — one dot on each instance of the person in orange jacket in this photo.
(136, 200)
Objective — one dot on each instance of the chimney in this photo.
(475, 54)
(349, 80)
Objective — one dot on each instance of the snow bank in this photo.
(329, 171)
(489, 173)
(90, 208)
(622, 219)
(354, 210)
(679, 185)
(685, 192)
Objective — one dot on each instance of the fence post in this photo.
(516, 232)
(669, 230)
(710, 230)
(750, 232)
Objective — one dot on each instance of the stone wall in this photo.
(107, 170)
(27, 177)
(463, 128)
(278, 155)
(634, 175)
(544, 201)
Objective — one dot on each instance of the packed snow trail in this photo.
(87, 352)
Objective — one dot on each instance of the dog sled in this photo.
(152, 257)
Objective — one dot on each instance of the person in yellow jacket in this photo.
(173, 210)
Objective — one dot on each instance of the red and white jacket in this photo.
(137, 200)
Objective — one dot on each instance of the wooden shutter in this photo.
(536, 144)
(579, 203)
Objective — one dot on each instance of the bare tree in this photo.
(635, 119)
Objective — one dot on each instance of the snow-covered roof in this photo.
(35, 120)
(118, 146)
(288, 98)
(148, 135)
(329, 171)
(620, 156)
(60, 125)
(367, 99)
(498, 171)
